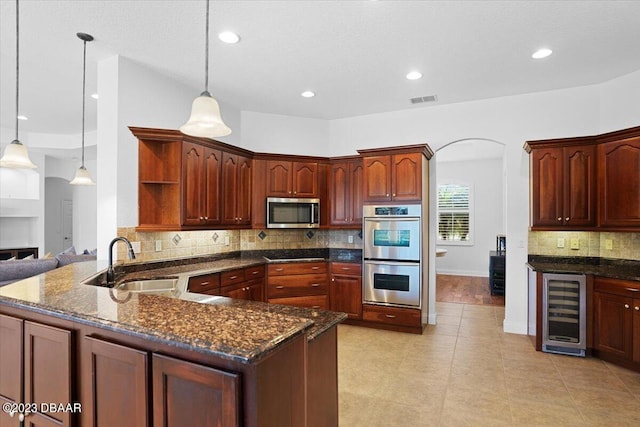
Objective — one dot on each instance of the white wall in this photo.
(273, 133)
(619, 106)
(485, 177)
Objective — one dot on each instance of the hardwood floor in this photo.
(465, 290)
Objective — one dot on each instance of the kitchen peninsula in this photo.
(162, 358)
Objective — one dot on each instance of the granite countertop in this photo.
(245, 331)
(604, 267)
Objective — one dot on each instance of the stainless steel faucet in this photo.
(110, 272)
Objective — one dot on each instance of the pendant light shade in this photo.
(82, 174)
(205, 120)
(16, 155)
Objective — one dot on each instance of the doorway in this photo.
(58, 215)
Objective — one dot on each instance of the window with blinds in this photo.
(454, 213)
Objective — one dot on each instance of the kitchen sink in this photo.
(149, 285)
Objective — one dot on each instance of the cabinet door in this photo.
(346, 295)
(10, 366)
(116, 379)
(546, 186)
(406, 179)
(187, 394)
(192, 187)
(377, 178)
(305, 179)
(619, 163)
(279, 178)
(355, 192)
(339, 194)
(580, 186)
(243, 204)
(613, 322)
(229, 188)
(256, 290)
(211, 189)
(47, 371)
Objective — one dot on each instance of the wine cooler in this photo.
(564, 314)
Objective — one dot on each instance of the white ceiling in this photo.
(353, 54)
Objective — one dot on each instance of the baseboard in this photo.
(515, 327)
(469, 273)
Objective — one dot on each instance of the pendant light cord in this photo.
(17, 66)
(206, 54)
(84, 73)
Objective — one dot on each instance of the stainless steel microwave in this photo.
(293, 213)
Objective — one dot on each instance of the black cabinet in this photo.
(496, 272)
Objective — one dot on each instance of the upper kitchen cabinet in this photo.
(563, 183)
(345, 191)
(396, 173)
(190, 183)
(619, 183)
(236, 189)
(296, 179)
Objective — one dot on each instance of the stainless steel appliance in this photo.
(392, 273)
(564, 314)
(293, 213)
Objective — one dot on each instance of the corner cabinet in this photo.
(188, 183)
(563, 184)
(396, 173)
(345, 192)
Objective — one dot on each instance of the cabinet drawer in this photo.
(627, 288)
(304, 284)
(205, 284)
(320, 302)
(285, 269)
(391, 315)
(346, 268)
(255, 272)
(231, 277)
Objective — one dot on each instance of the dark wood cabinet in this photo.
(345, 192)
(292, 179)
(188, 394)
(116, 379)
(35, 367)
(236, 189)
(619, 163)
(403, 318)
(201, 188)
(563, 184)
(302, 284)
(240, 283)
(617, 321)
(346, 288)
(396, 173)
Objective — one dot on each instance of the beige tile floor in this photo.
(466, 371)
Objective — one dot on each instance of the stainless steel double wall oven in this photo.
(392, 255)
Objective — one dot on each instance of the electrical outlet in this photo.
(158, 245)
(560, 242)
(608, 244)
(136, 247)
(227, 242)
(350, 239)
(575, 243)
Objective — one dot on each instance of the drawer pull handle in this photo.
(279, 269)
(233, 277)
(254, 272)
(633, 289)
(315, 268)
(626, 306)
(346, 268)
(315, 306)
(315, 285)
(280, 287)
(390, 316)
(204, 283)
(637, 308)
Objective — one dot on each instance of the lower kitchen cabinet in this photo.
(252, 290)
(617, 321)
(37, 356)
(400, 318)
(319, 302)
(346, 288)
(187, 394)
(241, 283)
(303, 284)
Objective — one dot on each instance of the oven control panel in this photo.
(384, 211)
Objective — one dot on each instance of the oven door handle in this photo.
(404, 263)
(384, 218)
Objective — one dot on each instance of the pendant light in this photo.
(16, 155)
(205, 120)
(82, 174)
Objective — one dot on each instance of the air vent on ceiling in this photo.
(421, 99)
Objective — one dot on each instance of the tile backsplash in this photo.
(591, 243)
(207, 242)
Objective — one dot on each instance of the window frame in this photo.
(470, 211)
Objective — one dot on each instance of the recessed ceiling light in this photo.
(308, 94)
(229, 37)
(23, 118)
(95, 96)
(541, 53)
(414, 75)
